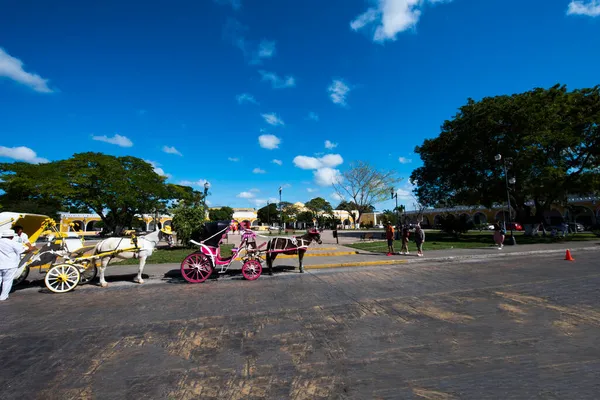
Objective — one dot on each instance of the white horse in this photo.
(146, 245)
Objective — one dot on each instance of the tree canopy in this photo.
(364, 185)
(320, 209)
(268, 214)
(221, 214)
(548, 138)
(115, 188)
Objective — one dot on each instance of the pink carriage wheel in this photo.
(196, 268)
(251, 270)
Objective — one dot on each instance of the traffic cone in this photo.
(568, 256)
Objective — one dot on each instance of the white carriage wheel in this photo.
(62, 278)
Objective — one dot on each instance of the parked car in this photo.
(514, 226)
(576, 227)
(380, 226)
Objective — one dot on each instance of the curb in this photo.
(307, 254)
(484, 256)
(356, 264)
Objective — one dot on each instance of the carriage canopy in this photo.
(213, 232)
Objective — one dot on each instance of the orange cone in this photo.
(568, 256)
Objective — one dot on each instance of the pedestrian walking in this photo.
(10, 255)
(565, 228)
(419, 240)
(389, 234)
(405, 238)
(499, 234)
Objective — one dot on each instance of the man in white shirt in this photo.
(10, 255)
(21, 237)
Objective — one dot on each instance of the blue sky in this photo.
(252, 95)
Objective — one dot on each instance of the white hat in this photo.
(7, 233)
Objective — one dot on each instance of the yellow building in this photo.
(584, 210)
(85, 223)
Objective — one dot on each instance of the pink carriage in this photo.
(198, 266)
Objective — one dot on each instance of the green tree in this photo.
(268, 214)
(115, 188)
(305, 216)
(189, 218)
(289, 212)
(320, 209)
(388, 216)
(364, 185)
(549, 138)
(221, 214)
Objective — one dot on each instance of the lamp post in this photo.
(511, 181)
(280, 210)
(395, 196)
(206, 187)
(268, 215)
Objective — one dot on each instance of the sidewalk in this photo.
(336, 256)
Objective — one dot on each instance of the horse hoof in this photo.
(301, 271)
(140, 281)
(104, 284)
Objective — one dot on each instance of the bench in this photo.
(366, 236)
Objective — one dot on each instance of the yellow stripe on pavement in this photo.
(356, 264)
(332, 254)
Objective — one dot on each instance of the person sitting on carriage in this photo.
(10, 255)
(21, 237)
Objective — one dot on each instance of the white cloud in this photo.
(278, 162)
(263, 202)
(266, 49)
(12, 68)
(235, 4)
(258, 171)
(171, 150)
(336, 196)
(276, 81)
(391, 17)
(286, 186)
(199, 183)
(330, 145)
(338, 91)
(245, 98)
(269, 141)
(245, 195)
(404, 160)
(328, 161)
(22, 153)
(313, 116)
(311, 190)
(272, 119)
(233, 159)
(157, 168)
(255, 190)
(327, 176)
(590, 8)
(117, 139)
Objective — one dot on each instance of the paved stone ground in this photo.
(510, 328)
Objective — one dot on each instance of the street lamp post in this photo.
(206, 187)
(280, 210)
(395, 196)
(511, 181)
(268, 214)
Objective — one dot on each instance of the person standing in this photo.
(405, 237)
(419, 240)
(10, 255)
(389, 234)
(499, 234)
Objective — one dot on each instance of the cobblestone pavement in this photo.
(526, 328)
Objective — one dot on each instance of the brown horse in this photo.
(295, 245)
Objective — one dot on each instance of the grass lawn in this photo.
(435, 240)
(174, 255)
